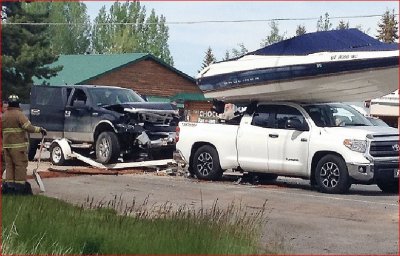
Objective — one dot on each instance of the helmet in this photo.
(13, 99)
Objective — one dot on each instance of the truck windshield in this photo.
(112, 96)
(335, 115)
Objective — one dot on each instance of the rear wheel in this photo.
(107, 148)
(331, 175)
(57, 154)
(206, 164)
(388, 186)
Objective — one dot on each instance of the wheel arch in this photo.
(103, 126)
(316, 157)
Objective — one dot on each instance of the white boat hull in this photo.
(346, 86)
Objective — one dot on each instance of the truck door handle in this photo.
(273, 135)
(35, 112)
(303, 140)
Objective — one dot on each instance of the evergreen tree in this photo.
(274, 35)
(209, 58)
(25, 51)
(300, 30)
(388, 28)
(324, 23)
(343, 25)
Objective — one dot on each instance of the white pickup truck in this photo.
(330, 144)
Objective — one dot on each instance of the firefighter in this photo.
(15, 128)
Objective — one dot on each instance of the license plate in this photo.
(396, 173)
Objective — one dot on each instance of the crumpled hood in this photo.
(360, 132)
(152, 112)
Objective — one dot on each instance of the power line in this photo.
(196, 22)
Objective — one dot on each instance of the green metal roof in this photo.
(77, 69)
(179, 97)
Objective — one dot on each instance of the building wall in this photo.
(199, 111)
(148, 77)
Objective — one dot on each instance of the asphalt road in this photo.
(298, 218)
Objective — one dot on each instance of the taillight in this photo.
(177, 131)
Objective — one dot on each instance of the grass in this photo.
(41, 225)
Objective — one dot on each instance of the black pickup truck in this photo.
(110, 121)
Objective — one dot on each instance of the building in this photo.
(149, 76)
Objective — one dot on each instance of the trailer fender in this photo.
(66, 148)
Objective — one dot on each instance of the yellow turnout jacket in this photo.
(15, 128)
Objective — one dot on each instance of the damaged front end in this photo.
(146, 125)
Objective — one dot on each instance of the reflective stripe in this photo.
(10, 130)
(15, 181)
(17, 145)
(25, 125)
(37, 129)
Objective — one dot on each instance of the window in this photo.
(49, 96)
(262, 116)
(79, 96)
(284, 113)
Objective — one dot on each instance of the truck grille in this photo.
(384, 148)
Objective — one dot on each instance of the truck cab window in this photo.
(79, 97)
(285, 113)
(261, 116)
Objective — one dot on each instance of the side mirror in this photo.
(295, 124)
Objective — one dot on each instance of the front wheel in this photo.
(107, 148)
(206, 164)
(331, 175)
(388, 186)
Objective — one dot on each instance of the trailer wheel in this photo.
(57, 154)
(386, 186)
(107, 148)
(206, 164)
(331, 175)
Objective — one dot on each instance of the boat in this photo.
(325, 66)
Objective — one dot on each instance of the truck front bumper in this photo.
(376, 170)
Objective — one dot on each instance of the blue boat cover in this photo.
(346, 40)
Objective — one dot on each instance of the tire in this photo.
(206, 164)
(33, 146)
(57, 154)
(107, 148)
(331, 175)
(391, 187)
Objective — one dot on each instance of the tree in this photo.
(274, 35)
(235, 52)
(388, 28)
(125, 28)
(25, 50)
(343, 25)
(324, 24)
(72, 34)
(300, 30)
(209, 58)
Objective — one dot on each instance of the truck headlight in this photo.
(356, 145)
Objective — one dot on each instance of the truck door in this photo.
(287, 147)
(47, 110)
(252, 140)
(78, 121)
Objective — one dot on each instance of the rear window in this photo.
(48, 96)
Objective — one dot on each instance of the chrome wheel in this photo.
(104, 147)
(205, 163)
(330, 174)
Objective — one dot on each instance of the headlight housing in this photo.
(356, 145)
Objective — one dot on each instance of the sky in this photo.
(189, 42)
